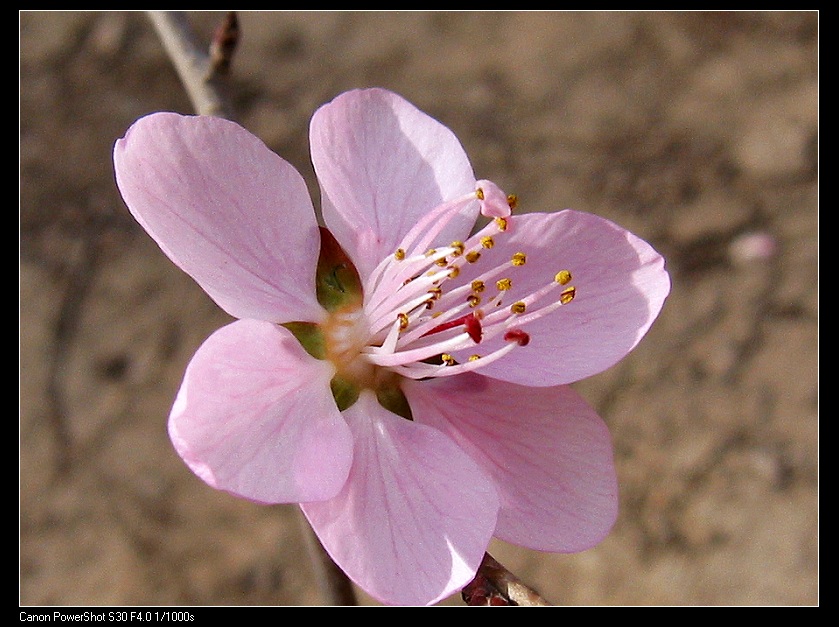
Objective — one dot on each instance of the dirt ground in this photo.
(697, 131)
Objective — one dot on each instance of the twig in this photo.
(495, 585)
(224, 43)
(199, 72)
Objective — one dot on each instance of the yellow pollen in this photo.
(399, 254)
(512, 200)
(487, 242)
(478, 286)
(519, 307)
(441, 262)
(448, 359)
(479, 194)
(435, 292)
(472, 256)
(453, 272)
(437, 314)
(503, 284)
(474, 357)
(430, 251)
(519, 259)
(403, 321)
(501, 223)
(562, 277)
(429, 304)
(567, 295)
(458, 248)
(474, 300)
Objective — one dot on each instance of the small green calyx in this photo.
(393, 399)
(344, 392)
(336, 280)
(310, 336)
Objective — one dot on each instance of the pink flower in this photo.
(405, 382)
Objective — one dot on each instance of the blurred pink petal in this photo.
(416, 514)
(548, 452)
(255, 417)
(382, 164)
(620, 285)
(227, 210)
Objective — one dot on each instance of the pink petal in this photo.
(547, 450)
(255, 417)
(227, 210)
(621, 285)
(382, 164)
(416, 514)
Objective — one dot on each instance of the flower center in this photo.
(419, 312)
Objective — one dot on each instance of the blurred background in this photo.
(697, 131)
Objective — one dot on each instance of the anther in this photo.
(512, 200)
(518, 336)
(478, 286)
(567, 295)
(503, 284)
(448, 359)
(562, 277)
(472, 256)
(518, 307)
(403, 321)
(474, 357)
(458, 248)
(473, 300)
(501, 223)
(519, 259)
(487, 242)
(399, 255)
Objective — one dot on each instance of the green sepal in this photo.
(393, 399)
(310, 337)
(336, 281)
(344, 392)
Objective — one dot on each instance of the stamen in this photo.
(519, 259)
(518, 307)
(494, 202)
(403, 321)
(562, 277)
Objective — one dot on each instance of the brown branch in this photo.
(494, 585)
(201, 72)
(224, 43)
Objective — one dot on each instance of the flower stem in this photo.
(199, 70)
